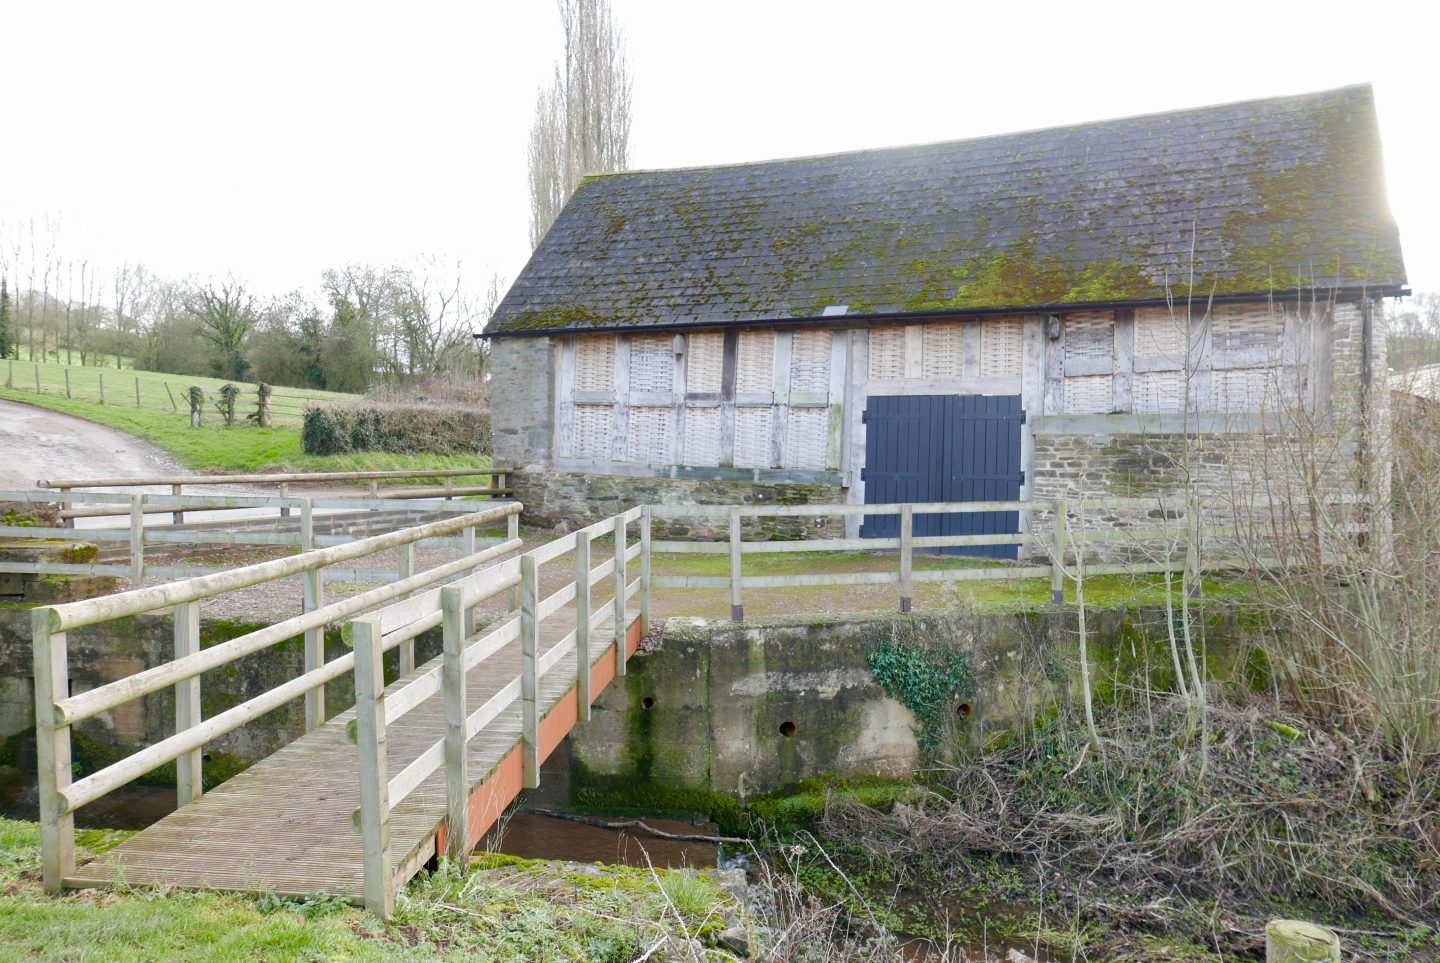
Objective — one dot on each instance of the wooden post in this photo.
(1057, 562)
(176, 517)
(407, 569)
(37, 379)
(67, 381)
(737, 603)
(189, 776)
(645, 570)
(374, 488)
(1293, 941)
(582, 625)
(10, 375)
(52, 752)
(907, 555)
(374, 771)
(173, 406)
(529, 669)
(284, 493)
(452, 677)
(621, 609)
(102, 387)
(449, 487)
(314, 587)
(467, 548)
(65, 503)
(137, 392)
(512, 532)
(137, 541)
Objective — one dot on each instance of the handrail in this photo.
(89, 611)
(463, 650)
(265, 479)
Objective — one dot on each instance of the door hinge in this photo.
(864, 473)
(1022, 417)
(1022, 478)
(864, 417)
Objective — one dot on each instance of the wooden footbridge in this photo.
(418, 768)
(424, 766)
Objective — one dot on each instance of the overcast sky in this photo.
(273, 140)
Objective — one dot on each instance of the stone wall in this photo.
(572, 499)
(522, 402)
(743, 708)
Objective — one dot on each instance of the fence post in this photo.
(67, 381)
(452, 677)
(284, 493)
(622, 615)
(102, 387)
(737, 603)
(137, 392)
(512, 532)
(37, 378)
(907, 555)
(10, 376)
(467, 548)
(370, 741)
(173, 406)
(582, 624)
(66, 504)
(176, 517)
(1294, 941)
(314, 583)
(645, 520)
(189, 776)
(1057, 561)
(529, 669)
(407, 569)
(137, 541)
(52, 751)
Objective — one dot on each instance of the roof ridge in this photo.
(895, 148)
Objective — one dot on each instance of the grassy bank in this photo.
(158, 392)
(504, 910)
(214, 447)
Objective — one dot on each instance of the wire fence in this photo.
(158, 392)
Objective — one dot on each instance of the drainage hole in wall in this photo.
(647, 703)
(205, 758)
(963, 710)
(787, 729)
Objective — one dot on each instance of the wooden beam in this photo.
(52, 751)
(373, 767)
(189, 774)
(529, 669)
(457, 776)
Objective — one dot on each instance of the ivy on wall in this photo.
(925, 679)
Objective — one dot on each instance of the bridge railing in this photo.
(1059, 535)
(317, 523)
(496, 486)
(451, 607)
(57, 711)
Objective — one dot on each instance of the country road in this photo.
(39, 444)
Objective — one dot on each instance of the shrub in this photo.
(403, 429)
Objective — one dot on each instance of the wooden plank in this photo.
(907, 553)
(189, 783)
(621, 556)
(52, 750)
(582, 625)
(529, 637)
(372, 766)
(737, 597)
(457, 777)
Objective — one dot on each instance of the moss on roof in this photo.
(1245, 198)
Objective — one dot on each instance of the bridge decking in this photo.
(284, 825)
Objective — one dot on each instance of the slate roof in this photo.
(1282, 193)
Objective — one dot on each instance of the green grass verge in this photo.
(505, 910)
(214, 447)
(119, 389)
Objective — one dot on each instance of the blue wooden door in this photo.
(944, 448)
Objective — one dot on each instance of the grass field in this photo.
(158, 392)
(241, 448)
(504, 910)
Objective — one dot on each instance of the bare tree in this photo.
(226, 313)
(582, 120)
(128, 290)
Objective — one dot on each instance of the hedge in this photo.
(403, 429)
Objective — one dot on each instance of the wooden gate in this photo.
(944, 448)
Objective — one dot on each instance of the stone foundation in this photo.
(744, 708)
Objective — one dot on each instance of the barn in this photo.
(1028, 315)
